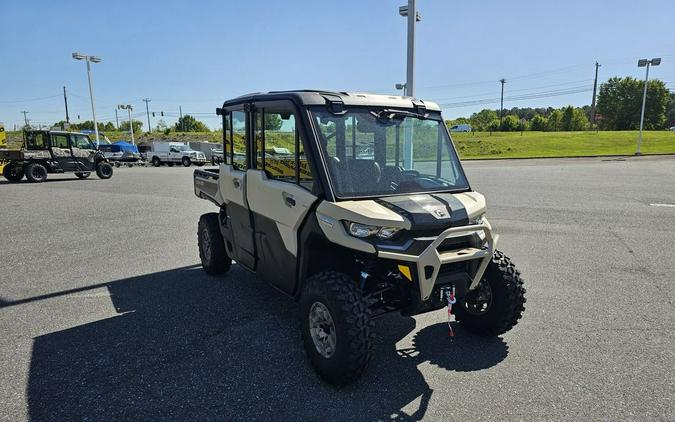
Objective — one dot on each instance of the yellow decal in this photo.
(405, 270)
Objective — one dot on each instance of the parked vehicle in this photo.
(350, 213)
(45, 152)
(120, 152)
(672, 129)
(461, 128)
(216, 156)
(174, 152)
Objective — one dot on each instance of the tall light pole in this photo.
(128, 107)
(25, 118)
(643, 63)
(595, 88)
(90, 59)
(413, 16)
(147, 111)
(501, 104)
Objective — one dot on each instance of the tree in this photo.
(510, 123)
(573, 119)
(538, 122)
(482, 119)
(272, 121)
(620, 103)
(161, 126)
(138, 125)
(555, 121)
(188, 123)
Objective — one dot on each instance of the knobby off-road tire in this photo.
(211, 245)
(83, 175)
(186, 161)
(12, 173)
(36, 173)
(104, 170)
(353, 327)
(507, 301)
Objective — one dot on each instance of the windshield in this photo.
(387, 152)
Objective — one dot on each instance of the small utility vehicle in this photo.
(45, 151)
(356, 205)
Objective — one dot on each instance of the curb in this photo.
(657, 154)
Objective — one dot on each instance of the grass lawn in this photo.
(560, 144)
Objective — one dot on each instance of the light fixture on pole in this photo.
(410, 12)
(128, 107)
(401, 87)
(645, 63)
(88, 59)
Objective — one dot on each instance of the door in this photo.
(60, 150)
(238, 226)
(82, 152)
(279, 192)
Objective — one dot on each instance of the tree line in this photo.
(186, 123)
(619, 103)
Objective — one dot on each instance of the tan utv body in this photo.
(356, 205)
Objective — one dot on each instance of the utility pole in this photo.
(117, 121)
(501, 106)
(643, 63)
(25, 118)
(147, 111)
(180, 112)
(65, 100)
(595, 87)
(410, 12)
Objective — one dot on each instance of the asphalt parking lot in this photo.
(105, 313)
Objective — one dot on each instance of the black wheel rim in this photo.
(479, 300)
(105, 170)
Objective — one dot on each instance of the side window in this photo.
(280, 150)
(227, 137)
(239, 141)
(60, 141)
(81, 141)
(174, 149)
(35, 141)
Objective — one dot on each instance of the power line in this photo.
(30, 99)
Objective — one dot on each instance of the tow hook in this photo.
(448, 294)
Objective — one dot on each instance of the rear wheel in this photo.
(186, 161)
(83, 175)
(156, 162)
(497, 304)
(211, 245)
(12, 172)
(104, 170)
(337, 329)
(36, 173)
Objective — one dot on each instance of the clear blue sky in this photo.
(199, 53)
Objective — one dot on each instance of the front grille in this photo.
(454, 243)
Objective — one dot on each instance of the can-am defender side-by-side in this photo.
(45, 152)
(356, 205)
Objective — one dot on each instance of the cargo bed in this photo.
(206, 185)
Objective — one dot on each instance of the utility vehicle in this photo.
(356, 205)
(45, 151)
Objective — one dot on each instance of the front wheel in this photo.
(337, 329)
(497, 304)
(211, 245)
(186, 161)
(104, 170)
(83, 175)
(12, 172)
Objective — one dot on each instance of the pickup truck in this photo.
(174, 153)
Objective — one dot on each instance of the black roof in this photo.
(311, 97)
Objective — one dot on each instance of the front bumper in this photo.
(429, 262)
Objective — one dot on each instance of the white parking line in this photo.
(663, 205)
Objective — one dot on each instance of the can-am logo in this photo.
(440, 213)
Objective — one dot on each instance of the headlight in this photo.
(480, 219)
(366, 230)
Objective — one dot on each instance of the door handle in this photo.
(288, 199)
(236, 183)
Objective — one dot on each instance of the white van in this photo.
(461, 128)
(174, 153)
